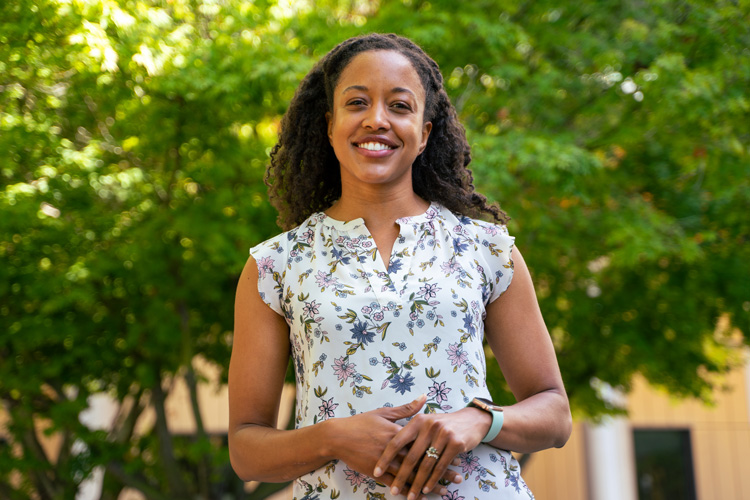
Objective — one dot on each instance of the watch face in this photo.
(486, 404)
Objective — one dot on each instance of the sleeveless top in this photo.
(366, 337)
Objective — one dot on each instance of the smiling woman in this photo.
(384, 291)
(377, 126)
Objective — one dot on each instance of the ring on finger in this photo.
(432, 452)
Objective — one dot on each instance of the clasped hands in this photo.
(412, 459)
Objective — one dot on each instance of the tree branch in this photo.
(117, 470)
(166, 446)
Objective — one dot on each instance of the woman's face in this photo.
(376, 126)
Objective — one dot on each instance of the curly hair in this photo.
(301, 179)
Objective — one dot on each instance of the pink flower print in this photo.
(265, 265)
(428, 291)
(355, 478)
(366, 310)
(378, 316)
(326, 408)
(342, 368)
(450, 267)
(311, 309)
(491, 230)
(456, 354)
(324, 280)
(439, 392)
(308, 236)
(452, 495)
(469, 463)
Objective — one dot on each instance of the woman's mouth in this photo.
(375, 146)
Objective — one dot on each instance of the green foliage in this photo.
(134, 139)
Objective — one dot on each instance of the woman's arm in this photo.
(516, 332)
(259, 451)
(518, 337)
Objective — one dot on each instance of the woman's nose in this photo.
(376, 117)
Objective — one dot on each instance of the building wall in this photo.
(720, 435)
(720, 439)
(559, 474)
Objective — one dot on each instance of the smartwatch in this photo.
(497, 416)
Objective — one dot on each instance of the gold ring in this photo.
(432, 452)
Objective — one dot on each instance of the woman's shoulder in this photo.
(476, 227)
(283, 242)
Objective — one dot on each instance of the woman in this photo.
(383, 292)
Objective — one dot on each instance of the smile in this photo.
(375, 146)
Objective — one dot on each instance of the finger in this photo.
(451, 476)
(411, 462)
(433, 464)
(429, 479)
(404, 411)
(437, 477)
(394, 448)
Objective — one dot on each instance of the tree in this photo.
(135, 136)
(134, 140)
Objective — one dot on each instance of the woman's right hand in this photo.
(360, 440)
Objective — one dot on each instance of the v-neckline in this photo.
(358, 226)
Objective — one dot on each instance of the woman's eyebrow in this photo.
(394, 90)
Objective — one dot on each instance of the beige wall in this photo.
(720, 435)
(559, 474)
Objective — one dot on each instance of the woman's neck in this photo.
(379, 210)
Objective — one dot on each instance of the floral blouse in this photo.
(366, 337)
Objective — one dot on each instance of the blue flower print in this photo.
(339, 256)
(469, 324)
(360, 333)
(402, 383)
(395, 266)
(459, 247)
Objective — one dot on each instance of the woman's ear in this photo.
(426, 129)
(329, 121)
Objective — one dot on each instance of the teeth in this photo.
(374, 146)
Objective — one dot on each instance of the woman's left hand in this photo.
(449, 433)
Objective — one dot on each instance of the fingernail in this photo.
(443, 491)
(425, 490)
(377, 472)
(394, 491)
(411, 496)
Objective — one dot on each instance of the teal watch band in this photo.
(497, 423)
(497, 416)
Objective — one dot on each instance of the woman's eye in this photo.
(401, 105)
(357, 102)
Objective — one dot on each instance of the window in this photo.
(664, 465)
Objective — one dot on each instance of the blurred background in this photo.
(134, 137)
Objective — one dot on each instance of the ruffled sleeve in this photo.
(495, 246)
(271, 258)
